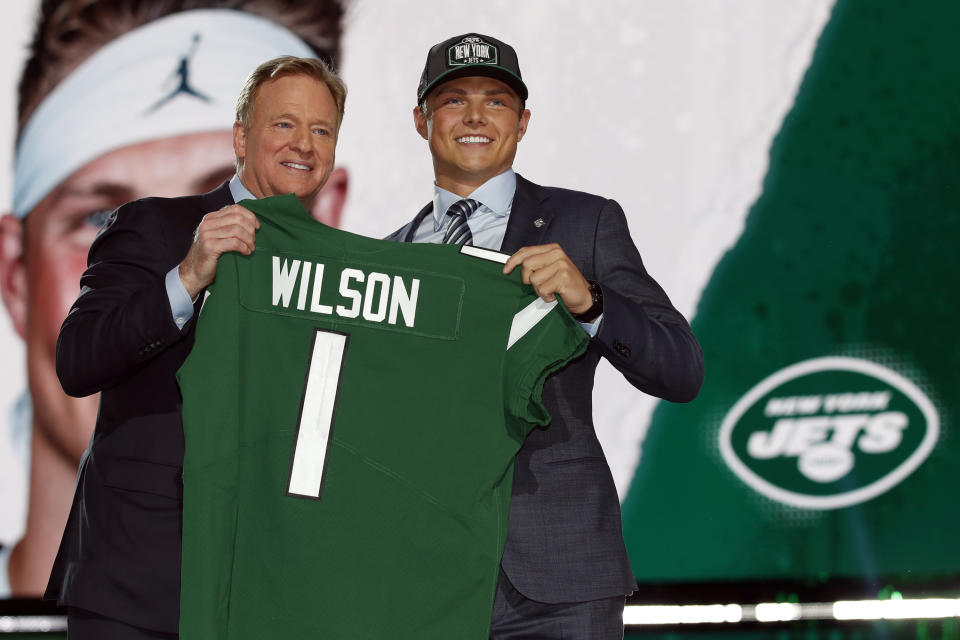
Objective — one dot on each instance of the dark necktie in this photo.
(458, 232)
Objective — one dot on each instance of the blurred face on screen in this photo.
(57, 235)
(43, 256)
(473, 125)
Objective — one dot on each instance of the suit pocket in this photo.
(144, 477)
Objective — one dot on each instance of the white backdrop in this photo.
(668, 106)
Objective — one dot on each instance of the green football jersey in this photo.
(351, 410)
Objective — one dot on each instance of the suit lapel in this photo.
(529, 220)
(216, 199)
(417, 221)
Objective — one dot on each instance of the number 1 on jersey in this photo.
(317, 409)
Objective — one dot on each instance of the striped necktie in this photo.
(458, 232)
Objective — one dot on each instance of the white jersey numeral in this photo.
(317, 409)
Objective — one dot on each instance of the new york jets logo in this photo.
(472, 50)
(829, 432)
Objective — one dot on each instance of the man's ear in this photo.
(239, 140)
(13, 275)
(420, 121)
(522, 125)
(328, 207)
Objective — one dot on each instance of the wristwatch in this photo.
(591, 314)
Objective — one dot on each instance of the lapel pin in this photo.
(539, 223)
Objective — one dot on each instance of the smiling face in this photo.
(473, 125)
(290, 144)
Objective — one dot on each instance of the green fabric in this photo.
(406, 538)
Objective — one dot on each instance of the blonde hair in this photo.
(289, 66)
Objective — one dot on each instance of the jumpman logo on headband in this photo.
(183, 71)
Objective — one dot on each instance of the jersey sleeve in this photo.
(543, 338)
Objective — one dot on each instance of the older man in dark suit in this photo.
(118, 567)
(565, 571)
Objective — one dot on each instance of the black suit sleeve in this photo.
(122, 318)
(641, 334)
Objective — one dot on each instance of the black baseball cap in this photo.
(471, 54)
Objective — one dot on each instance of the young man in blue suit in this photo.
(564, 572)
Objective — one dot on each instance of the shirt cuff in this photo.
(180, 302)
(590, 327)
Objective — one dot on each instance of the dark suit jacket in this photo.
(120, 553)
(565, 542)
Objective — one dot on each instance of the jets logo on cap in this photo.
(472, 50)
(829, 433)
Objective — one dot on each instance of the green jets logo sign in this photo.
(829, 432)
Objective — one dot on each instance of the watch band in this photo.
(591, 314)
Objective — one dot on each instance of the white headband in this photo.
(176, 75)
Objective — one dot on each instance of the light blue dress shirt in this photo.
(488, 223)
(180, 302)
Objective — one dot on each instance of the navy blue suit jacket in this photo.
(120, 553)
(565, 542)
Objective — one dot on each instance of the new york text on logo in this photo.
(829, 432)
(472, 50)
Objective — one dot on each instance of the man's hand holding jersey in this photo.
(551, 273)
(232, 228)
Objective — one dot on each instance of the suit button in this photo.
(621, 348)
